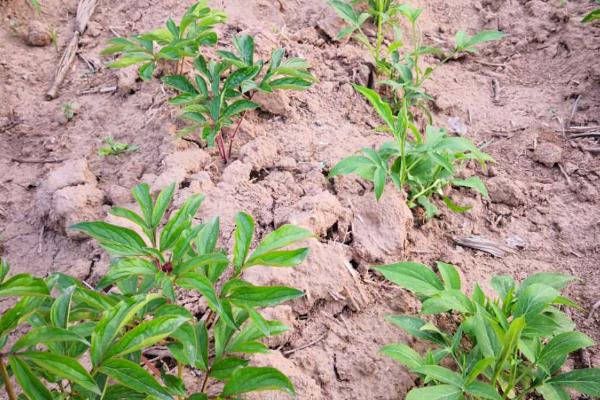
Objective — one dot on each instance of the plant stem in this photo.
(180, 375)
(10, 391)
(238, 127)
(205, 381)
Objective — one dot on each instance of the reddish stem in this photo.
(237, 128)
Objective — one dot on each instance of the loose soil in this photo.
(516, 98)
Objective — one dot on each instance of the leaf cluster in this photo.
(506, 347)
(422, 163)
(113, 148)
(75, 342)
(222, 86)
(174, 42)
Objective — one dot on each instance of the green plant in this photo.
(425, 164)
(171, 44)
(400, 69)
(70, 110)
(54, 38)
(592, 15)
(222, 89)
(490, 348)
(113, 148)
(74, 342)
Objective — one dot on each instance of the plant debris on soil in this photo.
(531, 100)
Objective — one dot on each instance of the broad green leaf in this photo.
(503, 284)
(244, 231)
(403, 354)
(63, 367)
(511, 341)
(236, 78)
(454, 207)
(591, 16)
(283, 258)
(440, 374)
(449, 275)
(413, 325)
(556, 280)
(23, 285)
(472, 182)
(179, 82)
(262, 296)
(563, 344)
(349, 165)
(383, 109)
(553, 392)
(131, 375)
(436, 392)
(254, 379)
(146, 334)
(449, 299)
(412, 276)
(141, 194)
(238, 107)
(223, 368)
(61, 309)
(29, 382)
(281, 237)
(483, 391)
(586, 381)
(112, 323)
(45, 335)
(4, 268)
(244, 44)
(480, 368)
(162, 203)
(121, 392)
(130, 60)
(199, 263)
(534, 299)
(290, 83)
(120, 240)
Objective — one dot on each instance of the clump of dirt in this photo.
(519, 99)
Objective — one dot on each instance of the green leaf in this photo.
(131, 375)
(480, 368)
(141, 194)
(553, 392)
(254, 379)
(483, 391)
(111, 324)
(284, 258)
(534, 299)
(449, 299)
(240, 75)
(129, 60)
(464, 42)
(290, 83)
(146, 334)
(472, 182)
(4, 268)
(413, 325)
(412, 276)
(180, 82)
(403, 354)
(591, 16)
(223, 368)
(45, 335)
(440, 374)
(23, 285)
(383, 109)
(563, 344)
(586, 381)
(503, 284)
(244, 231)
(162, 203)
(29, 382)
(437, 392)
(455, 207)
(510, 342)
(555, 280)
(145, 71)
(244, 44)
(349, 165)
(64, 367)
(61, 308)
(449, 275)
(120, 392)
(262, 296)
(283, 236)
(125, 241)
(238, 107)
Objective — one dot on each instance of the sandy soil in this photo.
(516, 98)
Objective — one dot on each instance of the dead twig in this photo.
(495, 248)
(584, 134)
(85, 9)
(304, 346)
(562, 170)
(105, 89)
(22, 161)
(593, 310)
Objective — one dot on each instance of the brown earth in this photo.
(517, 98)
